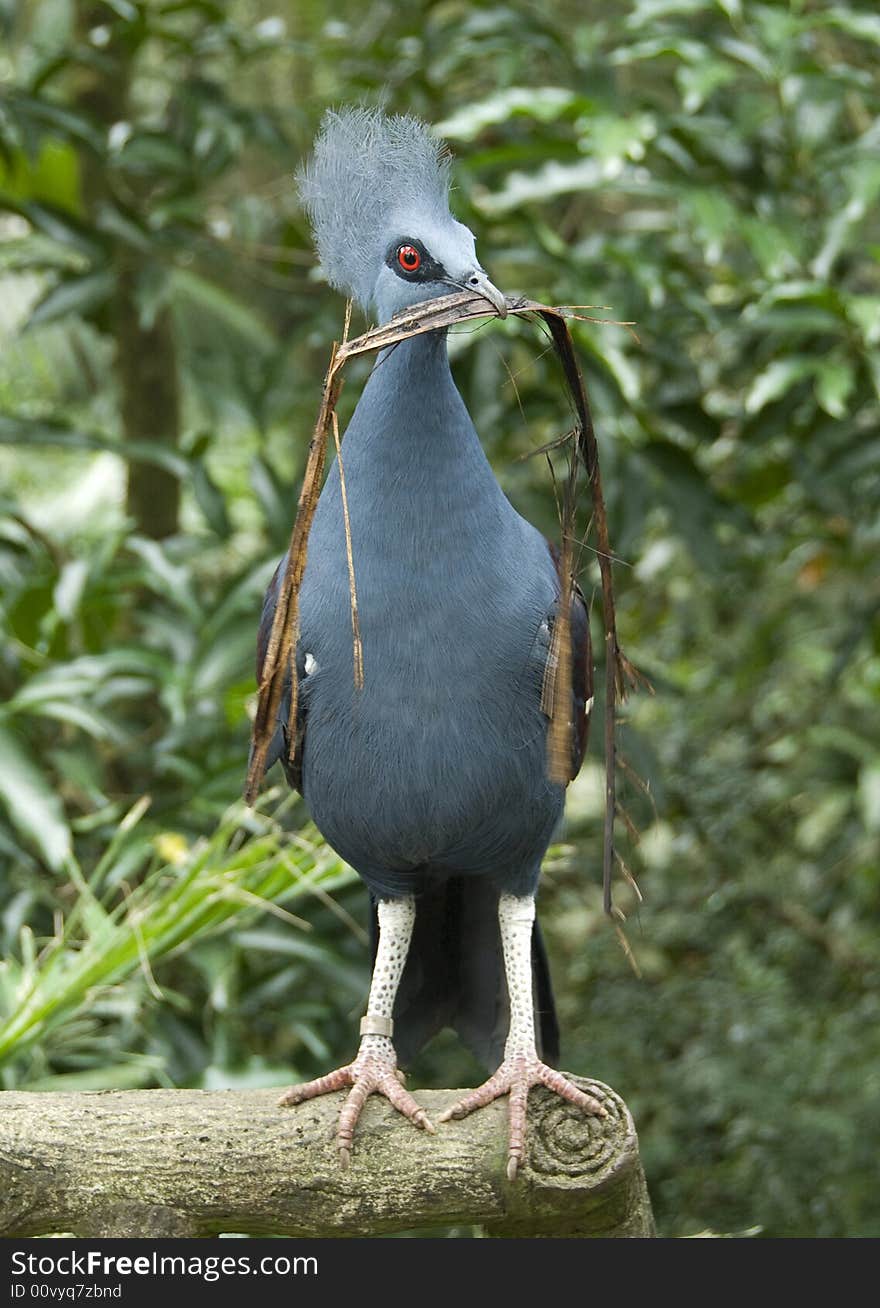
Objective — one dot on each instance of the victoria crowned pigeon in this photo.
(431, 778)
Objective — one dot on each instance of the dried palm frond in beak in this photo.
(279, 663)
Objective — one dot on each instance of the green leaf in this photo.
(26, 431)
(210, 500)
(544, 103)
(615, 140)
(166, 577)
(63, 121)
(773, 248)
(775, 381)
(124, 228)
(864, 311)
(153, 154)
(742, 52)
(863, 181)
(88, 719)
(277, 500)
(698, 82)
(125, 9)
(61, 227)
(645, 12)
(70, 588)
(31, 802)
(835, 379)
(188, 287)
(545, 184)
(141, 1071)
(151, 292)
(869, 796)
(864, 26)
(53, 178)
(714, 218)
(73, 295)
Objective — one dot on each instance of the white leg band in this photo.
(376, 1024)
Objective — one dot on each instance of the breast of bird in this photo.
(438, 763)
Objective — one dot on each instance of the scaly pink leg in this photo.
(375, 1070)
(521, 1068)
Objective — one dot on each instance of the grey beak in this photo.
(480, 283)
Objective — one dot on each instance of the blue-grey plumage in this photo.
(438, 764)
(430, 778)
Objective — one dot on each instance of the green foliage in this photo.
(114, 931)
(709, 172)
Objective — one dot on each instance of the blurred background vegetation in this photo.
(709, 170)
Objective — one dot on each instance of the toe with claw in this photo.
(374, 1071)
(516, 1076)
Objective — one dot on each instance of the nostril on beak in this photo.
(484, 287)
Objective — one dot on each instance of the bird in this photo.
(430, 778)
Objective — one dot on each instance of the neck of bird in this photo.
(411, 427)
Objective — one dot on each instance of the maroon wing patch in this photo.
(279, 748)
(581, 670)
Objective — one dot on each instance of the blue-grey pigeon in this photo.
(431, 778)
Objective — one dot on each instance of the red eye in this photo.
(409, 258)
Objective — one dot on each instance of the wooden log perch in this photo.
(196, 1163)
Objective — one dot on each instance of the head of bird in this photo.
(377, 193)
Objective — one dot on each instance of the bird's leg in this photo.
(374, 1070)
(521, 1067)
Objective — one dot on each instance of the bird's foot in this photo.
(516, 1076)
(374, 1071)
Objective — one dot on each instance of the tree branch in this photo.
(197, 1163)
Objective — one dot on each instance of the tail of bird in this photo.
(454, 976)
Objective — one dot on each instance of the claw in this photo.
(422, 1119)
(515, 1077)
(369, 1074)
